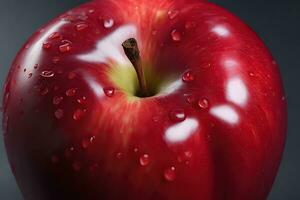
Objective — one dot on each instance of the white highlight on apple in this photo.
(225, 113)
(181, 131)
(236, 91)
(230, 63)
(221, 31)
(171, 87)
(109, 48)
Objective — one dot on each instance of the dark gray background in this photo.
(276, 21)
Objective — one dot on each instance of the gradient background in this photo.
(277, 23)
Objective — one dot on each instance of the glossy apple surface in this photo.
(213, 128)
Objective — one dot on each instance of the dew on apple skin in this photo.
(71, 75)
(135, 150)
(94, 167)
(81, 100)
(185, 156)
(173, 14)
(5, 124)
(57, 100)
(119, 155)
(24, 70)
(109, 91)
(71, 92)
(144, 160)
(30, 75)
(189, 25)
(59, 113)
(55, 60)
(47, 74)
(177, 115)
(55, 35)
(69, 151)
(108, 23)
(78, 114)
(251, 74)
(36, 66)
(170, 174)
(188, 77)
(190, 98)
(154, 32)
(81, 26)
(46, 45)
(203, 103)
(176, 35)
(44, 91)
(54, 159)
(85, 143)
(66, 47)
(76, 166)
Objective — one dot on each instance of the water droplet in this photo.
(108, 23)
(154, 32)
(188, 76)
(46, 45)
(92, 139)
(81, 100)
(54, 159)
(30, 75)
(81, 26)
(156, 119)
(251, 74)
(55, 35)
(47, 74)
(65, 47)
(76, 166)
(170, 174)
(173, 14)
(5, 124)
(55, 60)
(203, 103)
(71, 92)
(185, 156)
(91, 11)
(94, 167)
(190, 98)
(57, 100)
(69, 152)
(176, 35)
(59, 113)
(144, 160)
(78, 114)
(71, 75)
(135, 150)
(85, 143)
(177, 115)
(56, 88)
(44, 91)
(119, 155)
(189, 25)
(36, 66)
(24, 70)
(109, 91)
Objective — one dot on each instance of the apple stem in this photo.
(132, 51)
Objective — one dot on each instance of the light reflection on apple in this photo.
(109, 48)
(221, 30)
(236, 91)
(182, 131)
(225, 113)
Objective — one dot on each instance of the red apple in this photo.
(211, 125)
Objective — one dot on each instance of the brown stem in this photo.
(132, 51)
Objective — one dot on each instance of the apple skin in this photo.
(214, 130)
